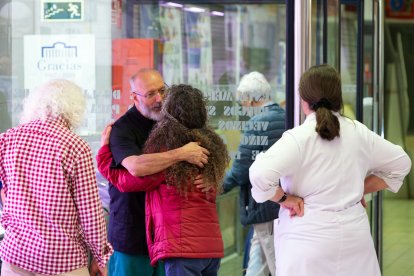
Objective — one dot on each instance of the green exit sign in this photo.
(62, 10)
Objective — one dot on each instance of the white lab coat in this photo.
(333, 237)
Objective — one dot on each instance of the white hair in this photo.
(53, 99)
(254, 86)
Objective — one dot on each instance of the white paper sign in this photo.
(70, 57)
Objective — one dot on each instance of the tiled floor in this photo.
(398, 238)
(231, 266)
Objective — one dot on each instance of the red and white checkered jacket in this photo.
(52, 213)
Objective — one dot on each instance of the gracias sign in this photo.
(70, 57)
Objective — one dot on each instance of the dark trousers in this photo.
(192, 267)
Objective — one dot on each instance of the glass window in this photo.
(101, 44)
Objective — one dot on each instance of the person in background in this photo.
(126, 230)
(331, 162)
(255, 93)
(53, 214)
(181, 220)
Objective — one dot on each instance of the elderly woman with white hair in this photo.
(254, 93)
(53, 214)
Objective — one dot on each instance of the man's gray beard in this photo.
(150, 114)
(155, 116)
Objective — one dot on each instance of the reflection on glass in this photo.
(368, 97)
(5, 92)
(348, 58)
(211, 47)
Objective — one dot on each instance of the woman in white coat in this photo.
(330, 162)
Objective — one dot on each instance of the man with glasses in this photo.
(126, 229)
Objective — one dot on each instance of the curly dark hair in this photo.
(185, 120)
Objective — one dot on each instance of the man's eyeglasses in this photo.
(152, 94)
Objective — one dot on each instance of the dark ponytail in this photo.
(327, 124)
(320, 87)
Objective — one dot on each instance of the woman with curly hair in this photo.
(181, 220)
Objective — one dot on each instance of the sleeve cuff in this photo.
(394, 184)
(107, 252)
(262, 196)
(104, 149)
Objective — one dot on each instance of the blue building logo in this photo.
(59, 50)
(59, 58)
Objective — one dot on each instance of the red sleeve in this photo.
(121, 178)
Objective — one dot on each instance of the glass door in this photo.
(208, 44)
